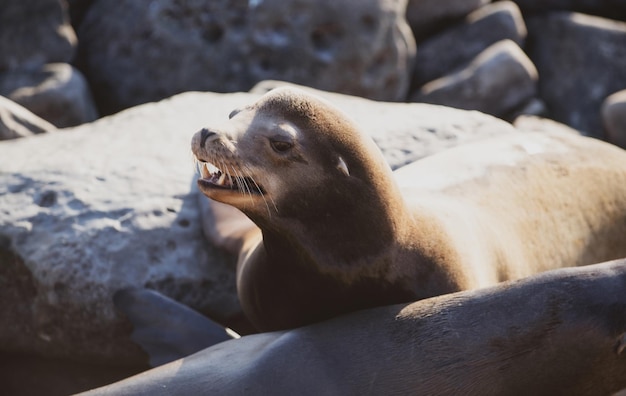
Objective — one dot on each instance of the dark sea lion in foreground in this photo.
(337, 231)
(557, 333)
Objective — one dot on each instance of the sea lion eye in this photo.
(280, 146)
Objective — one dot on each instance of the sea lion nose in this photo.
(204, 135)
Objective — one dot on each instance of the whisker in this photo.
(238, 178)
(230, 176)
(247, 186)
(262, 194)
(245, 183)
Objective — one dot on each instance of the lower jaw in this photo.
(232, 197)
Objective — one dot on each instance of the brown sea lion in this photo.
(336, 231)
(556, 333)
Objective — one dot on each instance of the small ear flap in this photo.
(234, 113)
(341, 165)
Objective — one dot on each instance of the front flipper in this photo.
(166, 329)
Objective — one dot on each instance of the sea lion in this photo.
(561, 332)
(336, 231)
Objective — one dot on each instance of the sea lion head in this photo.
(289, 154)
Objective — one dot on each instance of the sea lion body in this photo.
(524, 203)
(337, 231)
(556, 333)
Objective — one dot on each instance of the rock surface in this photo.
(33, 33)
(615, 9)
(428, 16)
(498, 81)
(614, 118)
(16, 121)
(136, 51)
(145, 50)
(87, 211)
(581, 60)
(531, 123)
(56, 92)
(113, 204)
(458, 45)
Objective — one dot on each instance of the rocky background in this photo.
(69, 61)
(104, 197)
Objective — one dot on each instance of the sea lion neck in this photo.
(349, 207)
(340, 225)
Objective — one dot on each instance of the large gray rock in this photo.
(457, 46)
(581, 60)
(614, 118)
(532, 123)
(33, 33)
(615, 9)
(56, 92)
(498, 81)
(428, 16)
(113, 204)
(16, 121)
(135, 51)
(97, 208)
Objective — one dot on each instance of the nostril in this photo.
(204, 135)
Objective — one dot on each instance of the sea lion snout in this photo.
(204, 135)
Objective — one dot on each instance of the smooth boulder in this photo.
(581, 60)
(16, 121)
(455, 47)
(56, 92)
(498, 81)
(614, 118)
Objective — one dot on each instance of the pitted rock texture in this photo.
(101, 207)
(135, 51)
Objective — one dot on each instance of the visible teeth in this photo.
(222, 179)
(211, 168)
(204, 171)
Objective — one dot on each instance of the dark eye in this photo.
(281, 146)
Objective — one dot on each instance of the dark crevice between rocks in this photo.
(213, 34)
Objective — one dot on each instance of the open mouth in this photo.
(213, 177)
